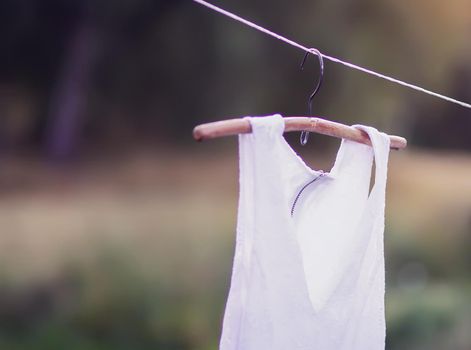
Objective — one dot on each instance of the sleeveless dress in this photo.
(308, 270)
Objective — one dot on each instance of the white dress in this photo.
(308, 268)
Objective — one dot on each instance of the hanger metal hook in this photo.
(305, 134)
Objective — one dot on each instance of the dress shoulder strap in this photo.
(381, 146)
(270, 126)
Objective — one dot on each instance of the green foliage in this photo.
(111, 304)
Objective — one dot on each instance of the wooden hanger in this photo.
(317, 125)
(303, 124)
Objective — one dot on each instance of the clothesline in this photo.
(330, 58)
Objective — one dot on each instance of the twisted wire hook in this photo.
(305, 134)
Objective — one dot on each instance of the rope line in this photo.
(330, 58)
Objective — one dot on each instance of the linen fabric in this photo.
(312, 276)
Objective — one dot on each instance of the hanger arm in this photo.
(317, 125)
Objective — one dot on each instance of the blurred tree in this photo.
(448, 125)
(66, 110)
(104, 73)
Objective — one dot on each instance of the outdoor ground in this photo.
(136, 251)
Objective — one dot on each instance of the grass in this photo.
(135, 252)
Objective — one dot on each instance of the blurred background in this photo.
(117, 229)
